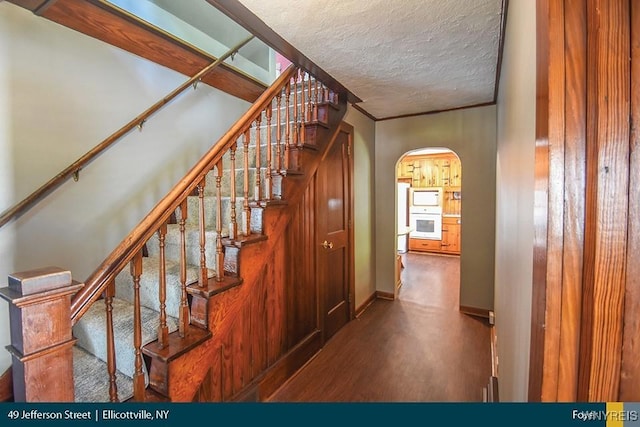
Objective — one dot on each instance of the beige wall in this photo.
(364, 209)
(7, 233)
(60, 94)
(514, 213)
(471, 133)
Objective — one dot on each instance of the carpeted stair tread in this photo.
(192, 242)
(92, 335)
(90, 370)
(149, 283)
(91, 379)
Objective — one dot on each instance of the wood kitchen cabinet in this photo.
(450, 235)
(431, 170)
(450, 243)
(442, 170)
(424, 245)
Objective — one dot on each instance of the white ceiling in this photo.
(399, 56)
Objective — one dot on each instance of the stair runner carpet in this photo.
(91, 377)
(90, 371)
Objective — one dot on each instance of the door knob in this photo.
(327, 245)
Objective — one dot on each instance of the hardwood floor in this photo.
(418, 348)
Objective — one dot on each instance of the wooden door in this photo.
(334, 209)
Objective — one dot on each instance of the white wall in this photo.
(64, 93)
(471, 133)
(514, 213)
(364, 210)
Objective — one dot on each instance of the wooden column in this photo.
(41, 340)
(630, 370)
(583, 344)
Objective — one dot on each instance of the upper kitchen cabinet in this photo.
(431, 170)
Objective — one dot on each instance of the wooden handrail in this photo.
(72, 170)
(133, 243)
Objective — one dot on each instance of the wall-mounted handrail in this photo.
(72, 170)
(133, 243)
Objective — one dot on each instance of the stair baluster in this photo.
(184, 305)
(233, 226)
(293, 153)
(303, 107)
(279, 133)
(258, 191)
(287, 128)
(245, 204)
(138, 376)
(309, 115)
(287, 151)
(163, 329)
(109, 293)
(267, 181)
(203, 276)
(219, 252)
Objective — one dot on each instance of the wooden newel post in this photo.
(41, 339)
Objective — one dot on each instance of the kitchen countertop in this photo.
(451, 215)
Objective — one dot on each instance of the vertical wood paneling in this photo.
(216, 376)
(292, 272)
(227, 367)
(586, 215)
(280, 339)
(301, 293)
(607, 208)
(238, 350)
(259, 330)
(272, 316)
(630, 374)
(276, 305)
(204, 392)
(574, 189)
(247, 355)
(555, 217)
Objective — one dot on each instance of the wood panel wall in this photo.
(278, 317)
(630, 376)
(583, 333)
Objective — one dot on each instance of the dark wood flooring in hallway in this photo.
(419, 348)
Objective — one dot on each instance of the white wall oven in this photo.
(426, 222)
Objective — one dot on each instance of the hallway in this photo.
(418, 348)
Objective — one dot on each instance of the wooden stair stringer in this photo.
(223, 308)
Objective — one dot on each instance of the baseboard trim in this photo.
(281, 371)
(474, 311)
(6, 386)
(362, 307)
(385, 295)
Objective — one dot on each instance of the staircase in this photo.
(152, 301)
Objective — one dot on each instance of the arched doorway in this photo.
(429, 207)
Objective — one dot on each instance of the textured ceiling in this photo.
(399, 56)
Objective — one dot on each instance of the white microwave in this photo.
(431, 196)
